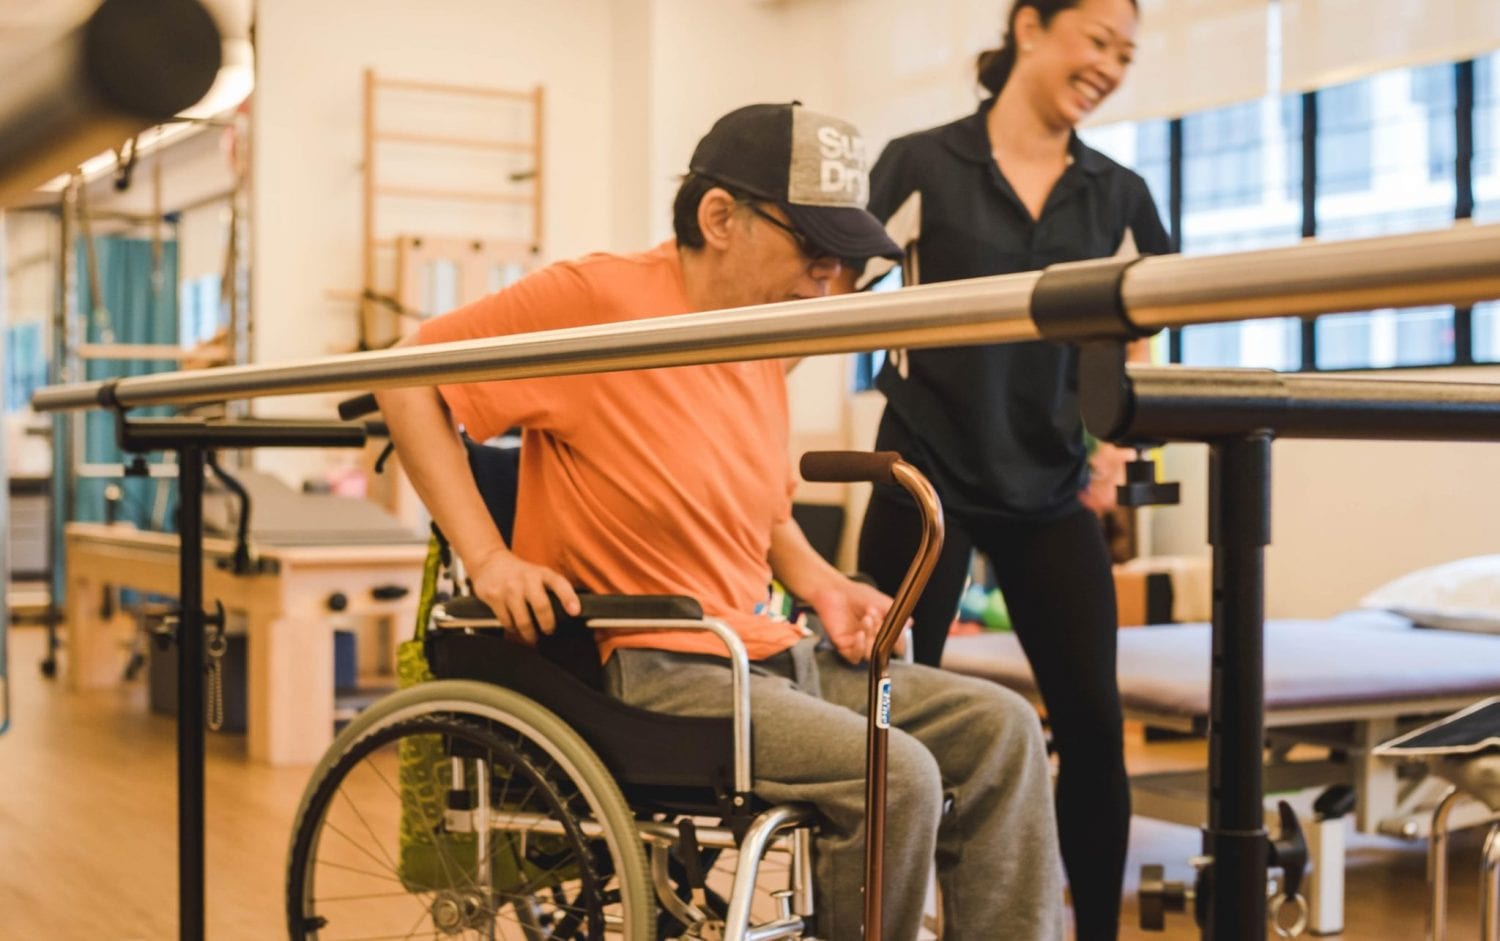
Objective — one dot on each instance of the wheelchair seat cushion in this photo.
(676, 758)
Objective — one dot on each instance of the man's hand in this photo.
(517, 591)
(851, 613)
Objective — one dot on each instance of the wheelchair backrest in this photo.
(497, 472)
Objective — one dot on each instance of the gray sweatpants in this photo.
(996, 851)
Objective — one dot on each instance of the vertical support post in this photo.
(1489, 887)
(538, 175)
(1437, 867)
(190, 906)
(64, 369)
(366, 308)
(1239, 530)
(1309, 212)
(5, 518)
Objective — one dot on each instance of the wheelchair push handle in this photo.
(842, 467)
(358, 407)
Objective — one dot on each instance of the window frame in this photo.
(1463, 209)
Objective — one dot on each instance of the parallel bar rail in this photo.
(1176, 403)
(1455, 266)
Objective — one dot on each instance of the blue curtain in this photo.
(142, 308)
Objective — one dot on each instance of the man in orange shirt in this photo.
(678, 481)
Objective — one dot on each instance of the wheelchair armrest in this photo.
(642, 613)
(646, 607)
(467, 610)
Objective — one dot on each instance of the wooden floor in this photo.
(88, 829)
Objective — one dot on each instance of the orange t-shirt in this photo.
(658, 481)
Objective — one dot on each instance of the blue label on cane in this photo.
(883, 713)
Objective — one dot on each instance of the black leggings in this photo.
(1055, 577)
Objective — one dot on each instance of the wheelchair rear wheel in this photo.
(457, 809)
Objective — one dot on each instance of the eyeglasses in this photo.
(810, 250)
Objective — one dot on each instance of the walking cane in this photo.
(883, 467)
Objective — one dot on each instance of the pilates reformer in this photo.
(1097, 304)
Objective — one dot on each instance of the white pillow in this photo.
(1458, 596)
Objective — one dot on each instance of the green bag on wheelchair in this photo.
(431, 857)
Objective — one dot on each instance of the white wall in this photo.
(309, 113)
(631, 86)
(905, 66)
(307, 146)
(632, 115)
(711, 57)
(1348, 516)
(30, 274)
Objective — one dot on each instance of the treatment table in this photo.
(319, 559)
(1342, 685)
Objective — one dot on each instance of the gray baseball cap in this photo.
(814, 166)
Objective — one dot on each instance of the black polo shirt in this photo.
(998, 427)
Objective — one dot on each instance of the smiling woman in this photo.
(997, 428)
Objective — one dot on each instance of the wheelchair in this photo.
(508, 797)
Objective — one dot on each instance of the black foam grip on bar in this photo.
(72, 94)
(1081, 300)
(358, 407)
(849, 466)
(107, 397)
(153, 59)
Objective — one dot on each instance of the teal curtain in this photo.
(140, 298)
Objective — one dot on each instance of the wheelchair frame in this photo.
(780, 828)
(764, 830)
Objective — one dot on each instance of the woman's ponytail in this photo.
(994, 66)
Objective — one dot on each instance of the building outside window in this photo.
(1386, 148)
(1487, 189)
(1145, 147)
(1487, 138)
(1242, 186)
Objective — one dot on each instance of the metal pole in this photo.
(4, 510)
(1437, 867)
(1452, 266)
(190, 878)
(63, 369)
(1239, 529)
(1489, 887)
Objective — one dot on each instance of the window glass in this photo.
(1242, 190)
(1487, 332)
(199, 312)
(1145, 147)
(439, 286)
(867, 365)
(1487, 138)
(25, 364)
(1385, 154)
(1386, 148)
(1418, 336)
